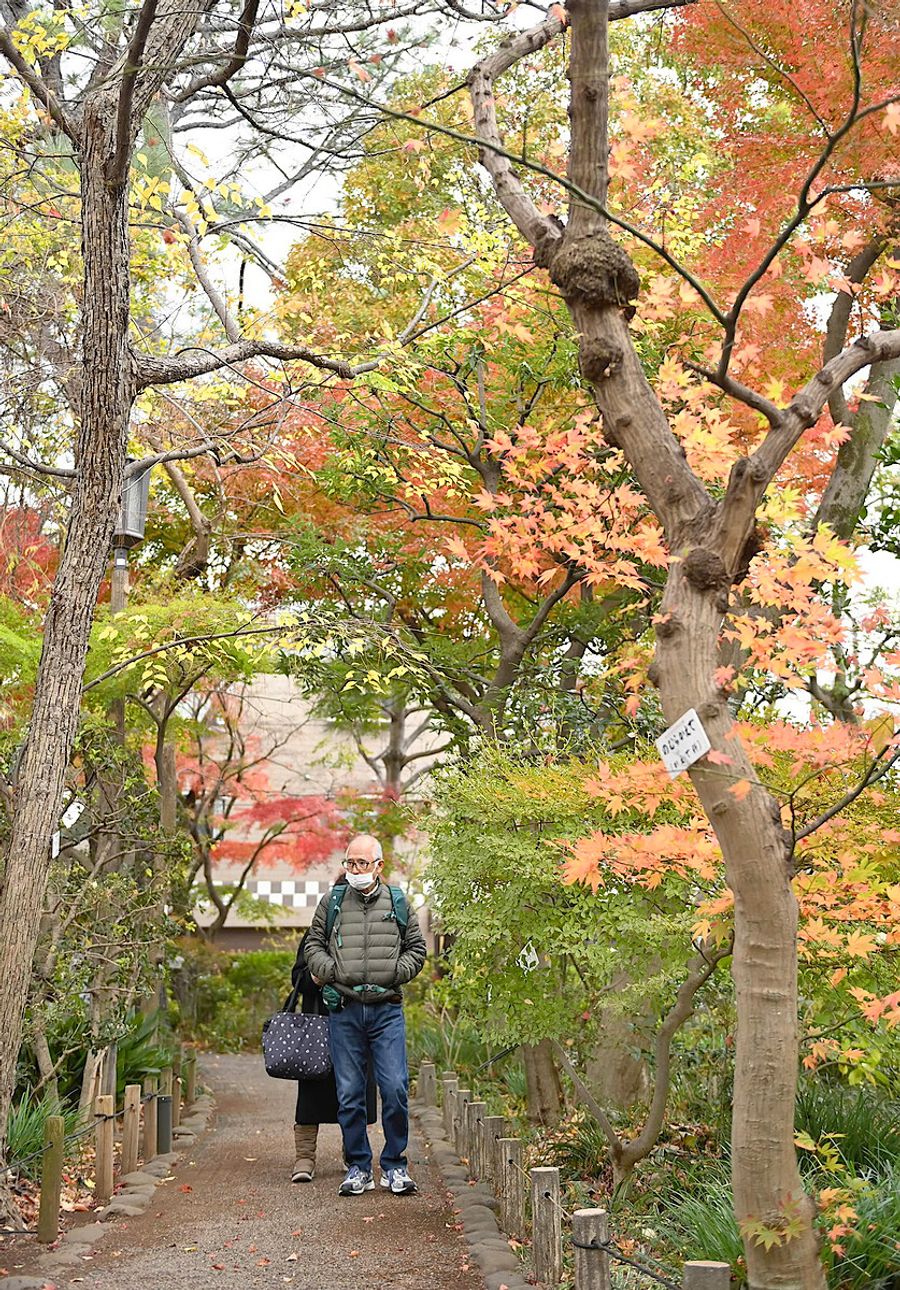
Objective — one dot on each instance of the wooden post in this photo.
(450, 1084)
(474, 1119)
(176, 1101)
(131, 1125)
(449, 1109)
(427, 1084)
(512, 1187)
(165, 1082)
(590, 1229)
(546, 1221)
(109, 1059)
(148, 1146)
(495, 1128)
(701, 1274)
(190, 1079)
(51, 1179)
(105, 1139)
(463, 1098)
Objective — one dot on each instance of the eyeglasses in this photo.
(356, 865)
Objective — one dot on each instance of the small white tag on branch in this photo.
(683, 743)
(528, 958)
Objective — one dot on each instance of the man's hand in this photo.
(316, 979)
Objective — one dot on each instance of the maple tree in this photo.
(709, 513)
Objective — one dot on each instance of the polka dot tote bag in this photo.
(296, 1044)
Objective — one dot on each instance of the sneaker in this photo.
(399, 1182)
(357, 1181)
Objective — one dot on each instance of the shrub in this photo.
(864, 1257)
(701, 1223)
(226, 997)
(870, 1255)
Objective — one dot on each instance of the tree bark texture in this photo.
(542, 1086)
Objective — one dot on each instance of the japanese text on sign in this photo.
(684, 742)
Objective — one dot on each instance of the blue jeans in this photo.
(359, 1030)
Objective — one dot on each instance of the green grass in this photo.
(701, 1225)
(25, 1130)
(863, 1126)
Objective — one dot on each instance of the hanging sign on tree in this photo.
(683, 743)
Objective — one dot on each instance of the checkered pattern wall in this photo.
(299, 893)
(294, 893)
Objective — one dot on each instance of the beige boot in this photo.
(305, 1136)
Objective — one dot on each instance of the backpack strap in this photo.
(335, 900)
(400, 908)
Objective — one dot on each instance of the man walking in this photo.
(363, 945)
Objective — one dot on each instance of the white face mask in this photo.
(360, 881)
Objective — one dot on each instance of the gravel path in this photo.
(230, 1218)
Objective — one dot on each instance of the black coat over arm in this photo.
(317, 1098)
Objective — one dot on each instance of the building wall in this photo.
(313, 757)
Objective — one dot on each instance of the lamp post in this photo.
(129, 531)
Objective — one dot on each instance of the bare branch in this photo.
(751, 476)
(152, 369)
(806, 406)
(117, 168)
(839, 318)
(876, 771)
(237, 60)
(56, 472)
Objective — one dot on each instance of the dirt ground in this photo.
(229, 1216)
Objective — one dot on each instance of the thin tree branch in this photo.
(237, 60)
(117, 168)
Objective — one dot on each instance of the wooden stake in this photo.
(51, 1178)
(131, 1126)
(450, 1084)
(590, 1230)
(105, 1140)
(701, 1274)
(474, 1122)
(546, 1219)
(427, 1084)
(148, 1145)
(460, 1140)
(495, 1128)
(190, 1079)
(176, 1102)
(512, 1187)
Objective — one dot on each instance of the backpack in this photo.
(399, 910)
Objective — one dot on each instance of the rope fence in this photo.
(143, 1136)
(529, 1200)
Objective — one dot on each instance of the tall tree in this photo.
(90, 85)
(711, 534)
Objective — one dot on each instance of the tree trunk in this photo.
(543, 1089)
(107, 392)
(766, 1181)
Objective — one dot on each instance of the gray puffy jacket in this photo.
(365, 946)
